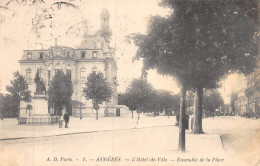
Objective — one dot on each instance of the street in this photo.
(136, 146)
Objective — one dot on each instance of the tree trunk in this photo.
(55, 110)
(132, 114)
(197, 114)
(138, 114)
(182, 121)
(96, 114)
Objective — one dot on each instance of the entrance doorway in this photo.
(118, 112)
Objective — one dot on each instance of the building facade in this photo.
(241, 103)
(94, 54)
(253, 90)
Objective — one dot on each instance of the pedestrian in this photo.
(60, 123)
(187, 117)
(177, 119)
(66, 118)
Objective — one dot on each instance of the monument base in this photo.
(39, 114)
(39, 120)
(40, 105)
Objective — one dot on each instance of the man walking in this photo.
(66, 118)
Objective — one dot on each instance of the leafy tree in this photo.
(97, 89)
(166, 101)
(176, 102)
(125, 99)
(19, 88)
(19, 91)
(156, 49)
(233, 99)
(9, 108)
(155, 102)
(225, 109)
(140, 92)
(212, 101)
(213, 28)
(60, 91)
(190, 43)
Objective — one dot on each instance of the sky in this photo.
(29, 26)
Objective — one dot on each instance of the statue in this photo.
(40, 86)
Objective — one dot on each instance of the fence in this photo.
(38, 121)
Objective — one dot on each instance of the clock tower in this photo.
(105, 25)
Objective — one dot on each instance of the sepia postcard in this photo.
(138, 82)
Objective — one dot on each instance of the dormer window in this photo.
(29, 55)
(40, 55)
(83, 54)
(94, 54)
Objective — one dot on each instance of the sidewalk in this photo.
(151, 137)
(91, 125)
(11, 130)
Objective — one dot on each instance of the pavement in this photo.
(11, 130)
(126, 137)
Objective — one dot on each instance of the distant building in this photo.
(94, 54)
(253, 90)
(239, 97)
(241, 103)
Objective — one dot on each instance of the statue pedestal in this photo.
(40, 105)
(39, 114)
(23, 112)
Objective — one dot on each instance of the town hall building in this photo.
(94, 54)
